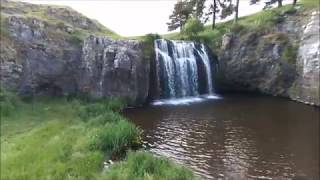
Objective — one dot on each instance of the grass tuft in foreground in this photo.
(67, 138)
(143, 165)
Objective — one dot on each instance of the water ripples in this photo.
(218, 144)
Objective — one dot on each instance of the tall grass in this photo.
(8, 102)
(49, 140)
(115, 137)
(62, 138)
(144, 166)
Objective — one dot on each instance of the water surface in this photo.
(235, 137)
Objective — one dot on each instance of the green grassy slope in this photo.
(58, 17)
(61, 138)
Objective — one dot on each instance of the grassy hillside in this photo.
(69, 138)
(60, 18)
(262, 21)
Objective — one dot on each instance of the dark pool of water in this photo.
(236, 137)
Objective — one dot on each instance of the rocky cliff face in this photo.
(114, 68)
(47, 56)
(307, 85)
(282, 62)
(35, 58)
(56, 51)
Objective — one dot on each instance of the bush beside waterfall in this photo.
(192, 28)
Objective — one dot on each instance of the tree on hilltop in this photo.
(192, 28)
(180, 15)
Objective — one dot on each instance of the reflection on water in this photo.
(184, 100)
(236, 137)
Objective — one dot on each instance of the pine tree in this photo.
(294, 2)
(236, 11)
(216, 6)
(195, 8)
(198, 8)
(181, 13)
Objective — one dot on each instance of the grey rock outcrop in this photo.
(44, 55)
(10, 71)
(114, 68)
(36, 62)
(48, 63)
(256, 62)
(307, 86)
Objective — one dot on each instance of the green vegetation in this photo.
(290, 53)
(148, 45)
(310, 4)
(65, 138)
(59, 21)
(144, 166)
(261, 22)
(50, 138)
(181, 13)
(192, 28)
(8, 103)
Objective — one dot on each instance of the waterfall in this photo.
(206, 61)
(178, 68)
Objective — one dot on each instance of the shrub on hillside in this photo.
(192, 28)
(8, 102)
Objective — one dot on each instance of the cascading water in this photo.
(178, 68)
(206, 61)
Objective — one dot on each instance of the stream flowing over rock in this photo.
(183, 69)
